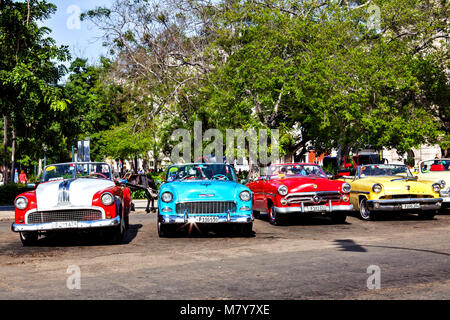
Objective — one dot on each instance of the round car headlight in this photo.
(166, 196)
(283, 190)
(21, 203)
(245, 195)
(107, 199)
(377, 188)
(436, 187)
(442, 184)
(346, 187)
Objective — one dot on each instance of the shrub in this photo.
(138, 194)
(10, 191)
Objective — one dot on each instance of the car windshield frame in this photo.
(444, 162)
(270, 172)
(201, 170)
(80, 170)
(408, 172)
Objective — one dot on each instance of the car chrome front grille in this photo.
(64, 215)
(313, 197)
(206, 207)
(445, 193)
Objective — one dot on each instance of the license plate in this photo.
(64, 224)
(411, 206)
(316, 208)
(207, 219)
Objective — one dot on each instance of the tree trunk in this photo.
(13, 153)
(28, 13)
(155, 164)
(5, 148)
(155, 159)
(145, 164)
(40, 167)
(253, 169)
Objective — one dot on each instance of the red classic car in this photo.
(73, 196)
(300, 188)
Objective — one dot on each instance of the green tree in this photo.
(28, 71)
(97, 104)
(318, 66)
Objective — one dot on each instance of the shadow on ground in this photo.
(81, 238)
(350, 245)
(210, 231)
(396, 216)
(291, 220)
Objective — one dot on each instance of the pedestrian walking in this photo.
(23, 177)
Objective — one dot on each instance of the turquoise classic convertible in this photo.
(203, 194)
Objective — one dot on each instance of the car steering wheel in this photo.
(98, 174)
(220, 177)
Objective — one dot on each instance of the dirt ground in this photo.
(304, 259)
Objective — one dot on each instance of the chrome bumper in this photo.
(301, 209)
(167, 219)
(46, 226)
(445, 195)
(396, 204)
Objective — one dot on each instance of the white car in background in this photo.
(437, 170)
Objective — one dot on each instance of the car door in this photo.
(256, 187)
(267, 190)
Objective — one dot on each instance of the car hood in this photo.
(71, 192)
(436, 176)
(307, 184)
(204, 190)
(400, 186)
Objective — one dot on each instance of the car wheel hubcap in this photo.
(364, 211)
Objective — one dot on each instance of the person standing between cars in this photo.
(23, 177)
(16, 176)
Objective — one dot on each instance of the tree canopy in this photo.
(328, 74)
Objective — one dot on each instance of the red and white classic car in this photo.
(73, 196)
(300, 188)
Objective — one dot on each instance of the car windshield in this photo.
(76, 170)
(386, 170)
(369, 159)
(435, 165)
(295, 170)
(203, 171)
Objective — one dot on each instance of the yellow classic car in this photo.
(437, 170)
(389, 188)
